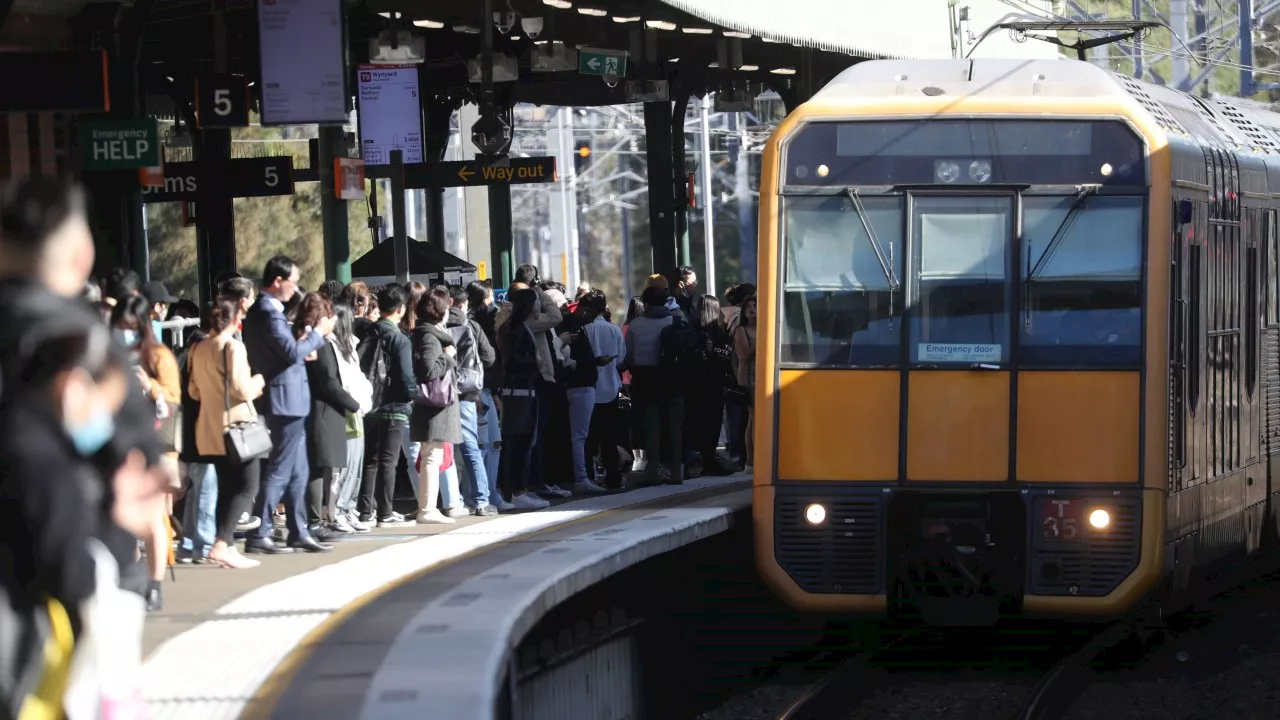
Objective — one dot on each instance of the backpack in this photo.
(470, 371)
(375, 364)
(680, 347)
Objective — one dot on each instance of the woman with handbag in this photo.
(744, 346)
(708, 394)
(436, 417)
(157, 370)
(229, 431)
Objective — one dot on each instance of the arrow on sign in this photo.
(594, 63)
(464, 174)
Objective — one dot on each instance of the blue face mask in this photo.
(156, 331)
(94, 433)
(128, 338)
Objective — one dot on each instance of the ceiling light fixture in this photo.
(713, 65)
(783, 71)
(736, 34)
(593, 12)
(429, 24)
(558, 4)
(466, 30)
(697, 31)
(660, 25)
(749, 68)
(626, 18)
(770, 40)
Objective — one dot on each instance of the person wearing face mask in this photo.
(158, 295)
(70, 382)
(156, 368)
(46, 256)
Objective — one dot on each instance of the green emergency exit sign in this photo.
(120, 144)
(609, 63)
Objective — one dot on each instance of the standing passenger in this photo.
(279, 359)
(434, 356)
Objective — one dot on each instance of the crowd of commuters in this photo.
(285, 417)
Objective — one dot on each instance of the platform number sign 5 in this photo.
(222, 101)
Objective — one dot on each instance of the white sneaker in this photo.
(248, 523)
(341, 525)
(460, 511)
(528, 501)
(434, 517)
(555, 491)
(639, 466)
(586, 487)
(353, 520)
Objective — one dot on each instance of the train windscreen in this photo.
(965, 275)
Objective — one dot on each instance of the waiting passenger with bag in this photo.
(225, 387)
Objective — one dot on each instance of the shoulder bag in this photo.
(245, 441)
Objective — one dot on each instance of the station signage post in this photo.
(222, 101)
(478, 173)
(303, 62)
(120, 144)
(390, 113)
(244, 177)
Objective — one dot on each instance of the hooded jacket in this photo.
(546, 316)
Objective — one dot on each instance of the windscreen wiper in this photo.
(881, 256)
(1083, 193)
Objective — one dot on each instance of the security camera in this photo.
(610, 81)
(532, 26)
(505, 21)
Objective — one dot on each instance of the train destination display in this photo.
(390, 113)
(303, 63)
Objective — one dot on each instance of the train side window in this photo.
(1194, 290)
(1082, 281)
(1273, 264)
(1251, 318)
(842, 289)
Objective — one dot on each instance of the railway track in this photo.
(1042, 681)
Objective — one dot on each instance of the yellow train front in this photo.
(1016, 336)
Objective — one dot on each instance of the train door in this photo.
(1179, 326)
(960, 260)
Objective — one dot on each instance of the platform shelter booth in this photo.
(429, 264)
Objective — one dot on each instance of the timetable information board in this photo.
(390, 113)
(303, 62)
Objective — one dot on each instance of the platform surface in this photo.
(223, 633)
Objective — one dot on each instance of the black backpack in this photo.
(680, 347)
(375, 364)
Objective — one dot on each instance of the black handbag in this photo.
(245, 441)
(519, 412)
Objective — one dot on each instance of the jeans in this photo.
(200, 515)
(467, 457)
(582, 401)
(411, 451)
(286, 477)
(349, 481)
(382, 439)
(735, 415)
(489, 433)
(450, 494)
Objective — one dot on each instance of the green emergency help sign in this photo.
(120, 144)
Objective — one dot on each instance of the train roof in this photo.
(1225, 122)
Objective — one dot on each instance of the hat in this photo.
(658, 281)
(556, 297)
(156, 293)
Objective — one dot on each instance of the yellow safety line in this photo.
(273, 688)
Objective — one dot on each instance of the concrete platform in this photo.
(231, 639)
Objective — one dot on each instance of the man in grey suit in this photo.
(279, 358)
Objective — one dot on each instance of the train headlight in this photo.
(815, 514)
(980, 171)
(1099, 518)
(946, 172)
